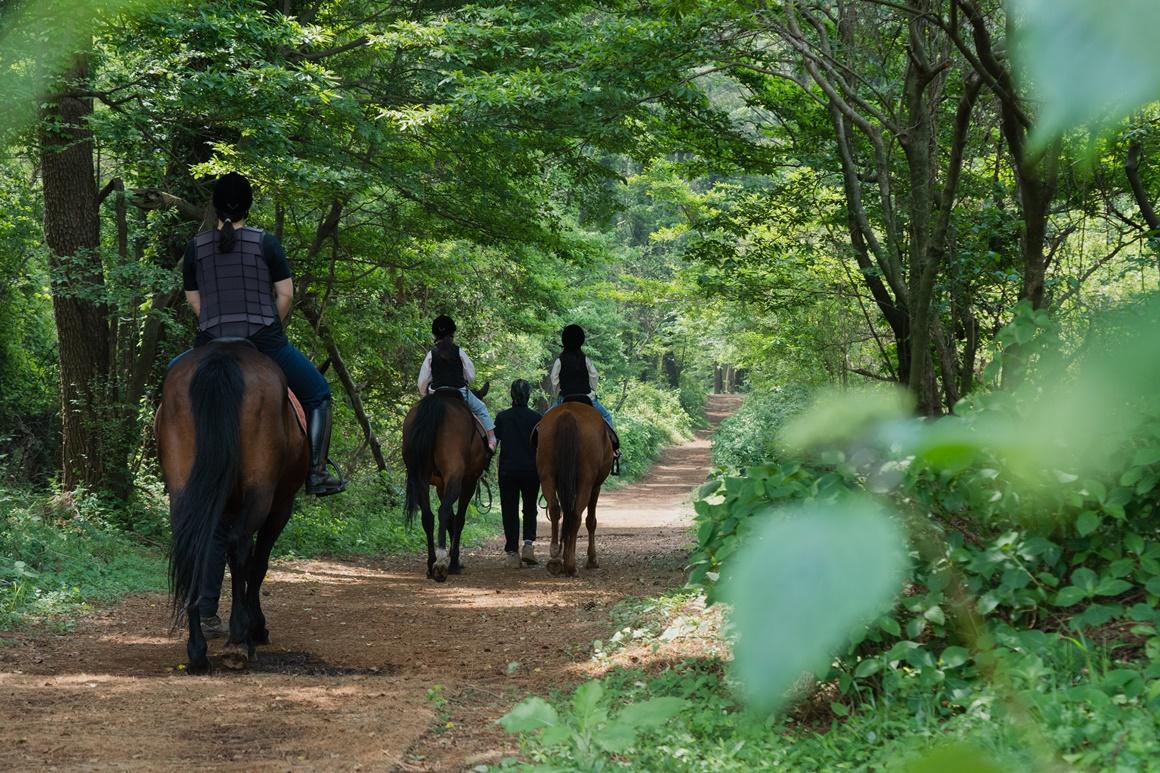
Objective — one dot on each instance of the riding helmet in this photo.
(232, 196)
(443, 326)
(572, 337)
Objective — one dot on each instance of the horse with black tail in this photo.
(573, 458)
(233, 455)
(443, 447)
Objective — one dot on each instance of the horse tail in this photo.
(215, 391)
(566, 461)
(419, 450)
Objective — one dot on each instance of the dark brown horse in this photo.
(442, 447)
(233, 456)
(573, 458)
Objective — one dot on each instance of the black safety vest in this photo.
(237, 295)
(574, 373)
(447, 369)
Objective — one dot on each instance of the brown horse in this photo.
(233, 456)
(442, 447)
(573, 458)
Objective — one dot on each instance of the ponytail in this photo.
(227, 236)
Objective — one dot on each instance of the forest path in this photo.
(371, 665)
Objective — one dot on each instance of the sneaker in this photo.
(512, 561)
(528, 555)
(212, 628)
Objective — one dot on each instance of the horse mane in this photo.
(566, 452)
(215, 392)
(418, 450)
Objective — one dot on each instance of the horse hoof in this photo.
(439, 572)
(456, 569)
(592, 564)
(555, 566)
(235, 657)
(197, 667)
(570, 570)
(260, 637)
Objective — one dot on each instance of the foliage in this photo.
(1076, 695)
(367, 520)
(649, 419)
(750, 435)
(59, 555)
(588, 731)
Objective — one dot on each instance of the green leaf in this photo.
(868, 667)
(806, 581)
(1084, 578)
(586, 698)
(1153, 586)
(953, 657)
(935, 615)
(1110, 586)
(1088, 62)
(616, 738)
(528, 715)
(955, 757)
(1087, 523)
(1069, 596)
(890, 625)
(651, 713)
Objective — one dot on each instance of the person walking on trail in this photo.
(238, 282)
(518, 478)
(574, 375)
(446, 365)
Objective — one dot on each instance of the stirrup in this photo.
(615, 465)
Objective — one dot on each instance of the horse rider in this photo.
(238, 281)
(446, 365)
(518, 477)
(574, 375)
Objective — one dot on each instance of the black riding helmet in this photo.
(521, 392)
(232, 196)
(443, 326)
(572, 337)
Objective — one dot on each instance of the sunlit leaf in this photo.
(529, 714)
(1087, 62)
(806, 581)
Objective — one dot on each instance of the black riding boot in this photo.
(615, 449)
(320, 482)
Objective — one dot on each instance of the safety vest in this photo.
(447, 369)
(237, 296)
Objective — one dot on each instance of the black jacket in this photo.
(513, 429)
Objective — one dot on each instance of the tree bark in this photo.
(72, 233)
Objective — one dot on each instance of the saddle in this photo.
(447, 391)
(581, 398)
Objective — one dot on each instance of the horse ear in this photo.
(482, 391)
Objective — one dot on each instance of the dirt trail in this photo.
(357, 646)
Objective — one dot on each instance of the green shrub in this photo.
(367, 519)
(59, 554)
(750, 436)
(650, 419)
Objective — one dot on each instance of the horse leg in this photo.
(571, 529)
(428, 527)
(457, 525)
(590, 522)
(447, 497)
(259, 564)
(236, 652)
(195, 647)
(555, 564)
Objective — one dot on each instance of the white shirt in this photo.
(593, 379)
(425, 371)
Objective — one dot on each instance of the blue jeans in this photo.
(595, 404)
(478, 408)
(305, 381)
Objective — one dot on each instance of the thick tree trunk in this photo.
(72, 233)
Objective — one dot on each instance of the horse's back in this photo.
(267, 426)
(592, 437)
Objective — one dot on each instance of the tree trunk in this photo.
(72, 233)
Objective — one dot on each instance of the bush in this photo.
(650, 419)
(750, 436)
(59, 554)
(367, 519)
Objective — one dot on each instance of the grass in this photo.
(61, 555)
(1060, 706)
